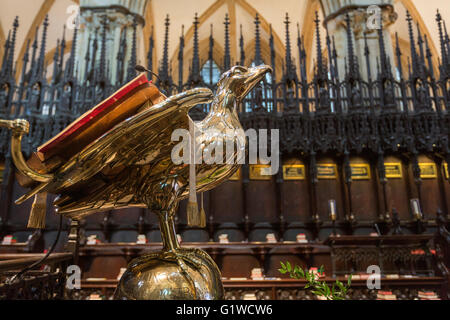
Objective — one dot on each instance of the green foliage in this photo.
(320, 288)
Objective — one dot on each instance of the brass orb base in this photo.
(180, 274)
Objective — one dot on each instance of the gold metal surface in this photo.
(428, 170)
(393, 169)
(445, 167)
(327, 171)
(173, 273)
(20, 127)
(360, 171)
(131, 166)
(293, 172)
(260, 172)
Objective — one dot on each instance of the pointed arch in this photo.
(215, 72)
(38, 20)
(2, 41)
(147, 30)
(279, 46)
(417, 17)
(232, 27)
(190, 32)
(50, 53)
(218, 53)
(308, 32)
(265, 55)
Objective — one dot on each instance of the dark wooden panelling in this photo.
(261, 201)
(364, 197)
(227, 202)
(396, 190)
(430, 193)
(295, 204)
(328, 189)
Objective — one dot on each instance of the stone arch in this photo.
(264, 25)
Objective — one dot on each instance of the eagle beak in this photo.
(254, 76)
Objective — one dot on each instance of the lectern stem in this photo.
(168, 234)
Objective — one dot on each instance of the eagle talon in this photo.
(20, 126)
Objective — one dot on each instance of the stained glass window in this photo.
(210, 72)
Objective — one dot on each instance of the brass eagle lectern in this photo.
(130, 165)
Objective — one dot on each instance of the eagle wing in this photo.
(126, 144)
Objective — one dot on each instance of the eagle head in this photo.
(241, 80)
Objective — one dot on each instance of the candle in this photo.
(416, 209)
(332, 207)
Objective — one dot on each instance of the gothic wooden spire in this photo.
(164, 68)
(384, 60)
(195, 72)
(25, 60)
(301, 55)
(102, 67)
(290, 69)
(445, 50)
(441, 37)
(180, 60)
(12, 45)
(330, 57)
(321, 73)
(272, 53)
(121, 53)
(352, 62)
(34, 58)
(87, 58)
(70, 66)
(62, 48)
(133, 59)
(258, 59)
(41, 59)
(5, 55)
(55, 76)
(211, 55)
(414, 58)
(367, 56)
(227, 58)
(151, 45)
(398, 53)
(241, 47)
(429, 57)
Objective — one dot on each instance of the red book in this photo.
(122, 104)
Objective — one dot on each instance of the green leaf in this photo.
(302, 273)
(307, 277)
(289, 267)
(349, 280)
(320, 270)
(327, 289)
(317, 293)
(297, 269)
(283, 265)
(282, 271)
